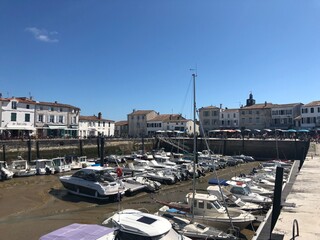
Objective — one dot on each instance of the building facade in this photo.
(283, 115)
(17, 117)
(209, 118)
(229, 118)
(137, 122)
(310, 115)
(24, 116)
(93, 126)
(173, 124)
(53, 119)
(121, 129)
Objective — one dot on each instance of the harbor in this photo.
(37, 205)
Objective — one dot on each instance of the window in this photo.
(61, 110)
(27, 106)
(222, 115)
(40, 118)
(74, 120)
(51, 118)
(312, 110)
(60, 119)
(200, 204)
(51, 109)
(206, 113)
(99, 124)
(27, 117)
(14, 105)
(257, 112)
(13, 117)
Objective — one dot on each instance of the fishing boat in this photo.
(43, 166)
(21, 168)
(134, 224)
(207, 210)
(254, 187)
(61, 165)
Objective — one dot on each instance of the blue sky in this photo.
(113, 56)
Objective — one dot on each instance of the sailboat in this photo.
(205, 208)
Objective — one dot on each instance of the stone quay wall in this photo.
(49, 148)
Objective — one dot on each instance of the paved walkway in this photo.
(303, 202)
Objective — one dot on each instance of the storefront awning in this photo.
(17, 127)
(57, 127)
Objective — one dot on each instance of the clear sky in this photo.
(113, 56)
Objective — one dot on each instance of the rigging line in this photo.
(186, 95)
(215, 172)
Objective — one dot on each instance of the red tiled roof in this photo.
(312, 104)
(285, 105)
(259, 106)
(121, 123)
(209, 107)
(168, 118)
(141, 112)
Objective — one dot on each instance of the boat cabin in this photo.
(204, 203)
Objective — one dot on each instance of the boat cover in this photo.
(215, 181)
(78, 231)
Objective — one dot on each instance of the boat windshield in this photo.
(104, 175)
(216, 204)
(247, 190)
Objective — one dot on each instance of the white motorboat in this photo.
(149, 185)
(94, 182)
(165, 176)
(244, 192)
(196, 230)
(254, 187)
(79, 162)
(5, 173)
(208, 210)
(60, 165)
(21, 168)
(78, 231)
(232, 200)
(134, 224)
(43, 166)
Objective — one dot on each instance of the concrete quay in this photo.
(299, 217)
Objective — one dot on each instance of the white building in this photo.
(310, 115)
(283, 115)
(171, 123)
(209, 119)
(17, 117)
(54, 119)
(93, 126)
(229, 118)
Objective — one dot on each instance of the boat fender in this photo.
(119, 172)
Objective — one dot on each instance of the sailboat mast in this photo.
(194, 146)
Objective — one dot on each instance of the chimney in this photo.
(55, 102)
(265, 103)
(133, 110)
(99, 115)
(220, 106)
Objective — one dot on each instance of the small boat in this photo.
(244, 192)
(21, 168)
(149, 185)
(197, 230)
(94, 182)
(5, 173)
(233, 201)
(81, 231)
(61, 165)
(134, 224)
(254, 188)
(79, 162)
(165, 176)
(43, 166)
(208, 210)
